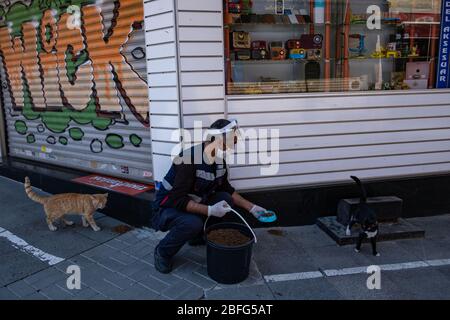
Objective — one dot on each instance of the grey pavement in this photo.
(288, 263)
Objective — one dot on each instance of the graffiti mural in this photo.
(73, 71)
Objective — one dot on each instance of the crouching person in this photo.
(196, 187)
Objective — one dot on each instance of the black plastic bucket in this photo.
(229, 265)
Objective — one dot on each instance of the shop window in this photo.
(296, 46)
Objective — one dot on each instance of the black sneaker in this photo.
(162, 264)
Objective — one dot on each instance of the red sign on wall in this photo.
(114, 184)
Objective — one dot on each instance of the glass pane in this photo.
(290, 46)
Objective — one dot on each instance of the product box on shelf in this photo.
(243, 54)
(311, 41)
(259, 50)
(277, 51)
(314, 54)
(241, 40)
(293, 44)
(297, 54)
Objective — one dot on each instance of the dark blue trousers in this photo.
(182, 226)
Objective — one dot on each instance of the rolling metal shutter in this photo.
(74, 84)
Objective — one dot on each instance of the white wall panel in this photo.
(200, 5)
(157, 7)
(165, 35)
(163, 79)
(200, 34)
(325, 139)
(339, 177)
(164, 107)
(163, 50)
(191, 49)
(202, 78)
(201, 19)
(202, 64)
(162, 68)
(159, 21)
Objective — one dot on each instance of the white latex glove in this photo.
(219, 209)
(256, 211)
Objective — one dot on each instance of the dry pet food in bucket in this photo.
(228, 237)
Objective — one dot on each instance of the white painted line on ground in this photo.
(23, 246)
(438, 262)
(344, 271)
(293, 276)
(356, 270)
(403, 266)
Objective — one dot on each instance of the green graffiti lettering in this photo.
(63, 141)
(21, 127)
(114, 141)
(135, 140)
(31, 138)
(76, 134)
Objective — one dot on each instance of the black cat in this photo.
(366, 217)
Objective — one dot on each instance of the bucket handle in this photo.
(232, 210)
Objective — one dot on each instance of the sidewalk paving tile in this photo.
(309, 236)
(36, 296)
(354, 287)
(309, 289)
(424, 284)
(183, 289)
(153, 283)
(434, 226)
(56, 292)
(390, 252)
(427, 249)
(279, 254)
(21, 288)
(332, 257)
(136, 292)
(6, 294)
(260, 292)
(45, 278)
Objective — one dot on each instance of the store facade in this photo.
(352, 87)
(349, 87)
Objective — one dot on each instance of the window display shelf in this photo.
(281, 25)
(342, 55)
(278, 62)
(294, 61)
(388, 59)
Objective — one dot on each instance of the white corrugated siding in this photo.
(77, 97)
(162, 64)
(325, 139)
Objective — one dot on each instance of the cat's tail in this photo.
(30, 193)
(363, 198)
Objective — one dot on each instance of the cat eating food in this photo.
(57, 206)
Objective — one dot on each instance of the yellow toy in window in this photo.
(379, 52)
(414, 52)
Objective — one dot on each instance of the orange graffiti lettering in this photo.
(106, 76)
(108, 62)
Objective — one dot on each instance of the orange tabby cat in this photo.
(61, 204)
